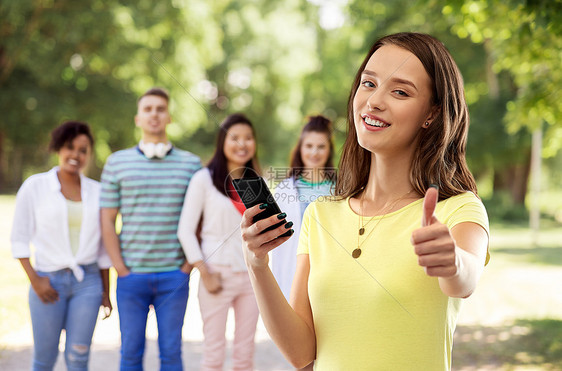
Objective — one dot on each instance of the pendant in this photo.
(361, 231)
(356, 253)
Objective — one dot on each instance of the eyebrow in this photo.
(393, 79)
(154, 105)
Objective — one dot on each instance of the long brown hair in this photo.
(317, 124)
(440, 155)
(218, 165)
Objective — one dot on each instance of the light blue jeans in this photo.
(76, 311)
(167, 292)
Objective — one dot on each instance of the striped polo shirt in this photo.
(149, 194)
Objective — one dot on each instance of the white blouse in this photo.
(221, 242)
(41, 218)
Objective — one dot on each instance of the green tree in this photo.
(88, 61)
(509, 54)
(523, 40)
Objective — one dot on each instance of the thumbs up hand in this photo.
(429, 205)
(433, 243)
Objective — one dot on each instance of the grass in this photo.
(14, 312)
(512, 322)
(523, 345)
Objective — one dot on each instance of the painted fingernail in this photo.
(288, 225)
(292, 232)
(263, 206)
(281, 216)
(434, 186)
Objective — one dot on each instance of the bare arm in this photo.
(456, 256)
(291, 329)
(471, 245)
(111, 240)
(105, 302)
(189, 228)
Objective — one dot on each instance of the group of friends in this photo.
(371, 275)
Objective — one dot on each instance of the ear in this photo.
(433, 113)
(137, 120)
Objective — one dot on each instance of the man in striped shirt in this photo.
(146, 184)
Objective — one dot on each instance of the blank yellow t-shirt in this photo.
(380, 311)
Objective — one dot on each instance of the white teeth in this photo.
(72, 162)
(376, 123)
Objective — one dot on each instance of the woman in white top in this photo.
(58, 211)
(311, 176)
(212, 203)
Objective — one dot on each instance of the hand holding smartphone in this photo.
(254, 191)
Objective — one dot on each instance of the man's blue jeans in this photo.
(76, 311)
(167, 292)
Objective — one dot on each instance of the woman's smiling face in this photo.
(74, 155)
(239, 145)
(392, 102)
(315, 149)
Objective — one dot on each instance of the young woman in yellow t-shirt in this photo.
(373, 289)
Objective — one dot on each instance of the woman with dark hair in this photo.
(311, 175)
(58, 211)
(373, 290)
(212, 204)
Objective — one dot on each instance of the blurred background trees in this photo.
(276, 61)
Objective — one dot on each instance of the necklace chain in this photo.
(357, 252)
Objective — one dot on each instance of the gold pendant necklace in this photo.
(356, 253)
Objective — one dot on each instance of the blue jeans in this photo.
(76, 311)
(167, 292)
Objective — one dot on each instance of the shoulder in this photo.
(37, 180)
(39, 184)
(122, 155)
(285, 185)
(464, 207)
(327, 206)
(125, 152)
(185, 155)
(288, 181)
(202, 175)
(40, 177)
(460, 200)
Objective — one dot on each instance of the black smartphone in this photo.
(254, 191)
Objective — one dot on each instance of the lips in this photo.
(374, 122)
(73, 162)
(313, 159)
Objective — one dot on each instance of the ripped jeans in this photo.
(76, 311)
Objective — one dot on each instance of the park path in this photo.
(16, 347)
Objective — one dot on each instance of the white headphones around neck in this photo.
(155, 150)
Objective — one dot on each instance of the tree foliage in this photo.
(275, 61)
(525, 41)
